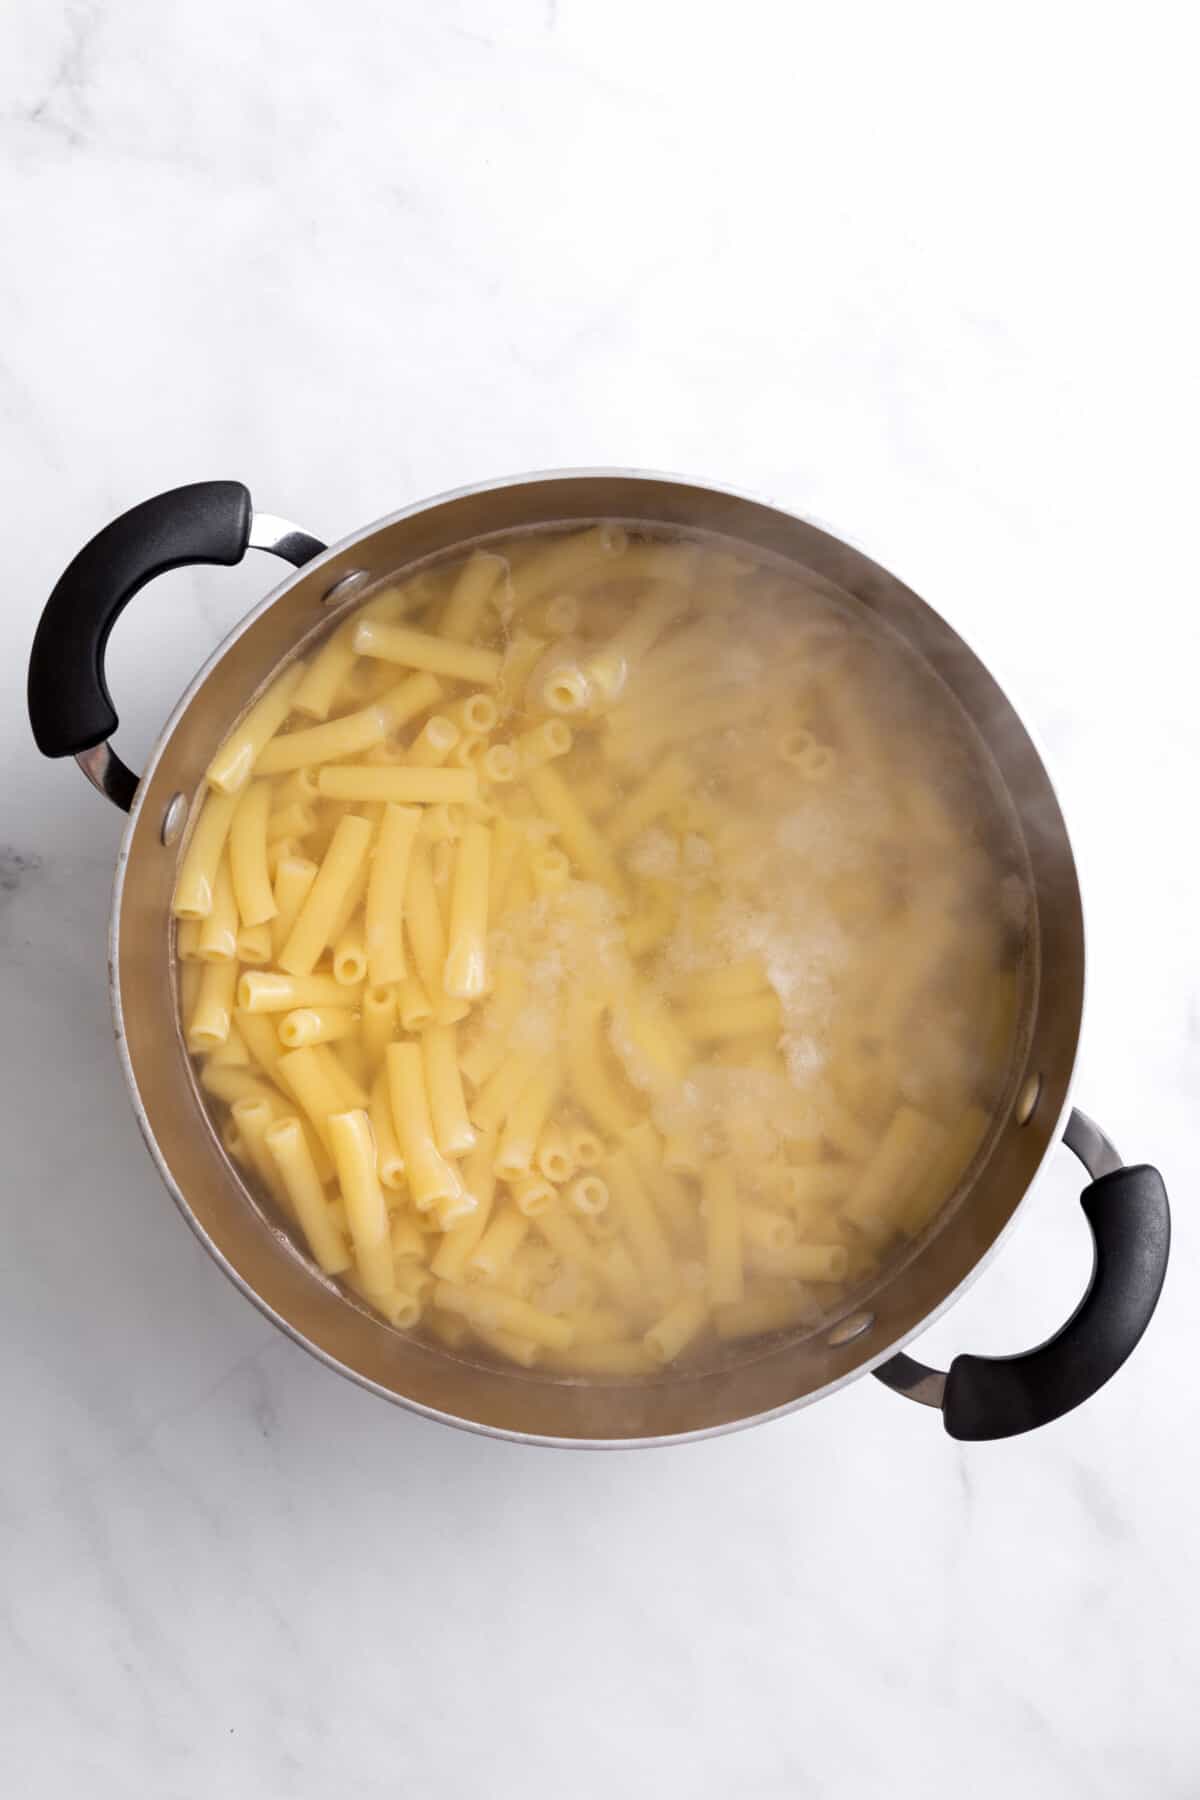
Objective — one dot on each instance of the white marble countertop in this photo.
(920, 271)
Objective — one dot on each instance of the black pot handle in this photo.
(1002, 1396)
(70, 708)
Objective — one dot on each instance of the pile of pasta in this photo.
(516, 996)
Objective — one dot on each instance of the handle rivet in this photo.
(173, 819)
(846, 1330)
(1027, 1100)
(344, 587)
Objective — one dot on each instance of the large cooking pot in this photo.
(979, 1397)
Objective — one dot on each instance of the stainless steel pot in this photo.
(72, 715)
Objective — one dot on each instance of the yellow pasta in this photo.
(218, 935)
(255, 945)
(587, 1195)
(232, 1054)
(427, 933)
(671, 1335)
(459, 1241)
(248, 855)
(272, 991)
(880, 1191)
(433, 743)
(341, 865)
(252, 1118)
(424, 650)
(385, 893)
(553, 737)
(430, 1177)
(389, 1158)
(212, 1015)
(498, 1245)
(318, 1094)
(187, 940)
(466, 972)
(378, 1022)
(651, 1250)
(656, 795)
(288, 1148)
(567, 559)
(498, 763)
(193, 897)
(580, 838)
(553, 1157)
(609, 667)
(453, 1131)
(483, 1055)
(351, 734)
(652, 1047)
(354, 1155)
(498, 1095)
(316, 1025)
(594, 1088)
(350, 954)
(413, 1004)
(532, 1194)
(340, 1064)
(469, 597)
(325, 674)
(489, 1307)
(950, 1160)
(230, 768)
(764, 1229)
(655, 1026)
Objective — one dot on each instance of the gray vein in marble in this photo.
(62, 106)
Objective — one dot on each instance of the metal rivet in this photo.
(344, 587)
(846, 1330)
(173, 818)
(1027, 1099)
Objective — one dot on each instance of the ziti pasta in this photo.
(603, 951)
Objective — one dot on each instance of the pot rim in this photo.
(336, 551)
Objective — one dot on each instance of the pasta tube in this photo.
(466, 969)
(342, 862)
(452, 1129)
(248, 855)
(580, 838)
(469, 597)
(230, 768)
(488, 1307)
(430, 1177)
(197, 876)
(679, 1326)
(354, 1155)
(289, 1150)
(271, 991)
(217, 940)
(317, 744)
(479, 1181)
(423, 650)
(389, 1158)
